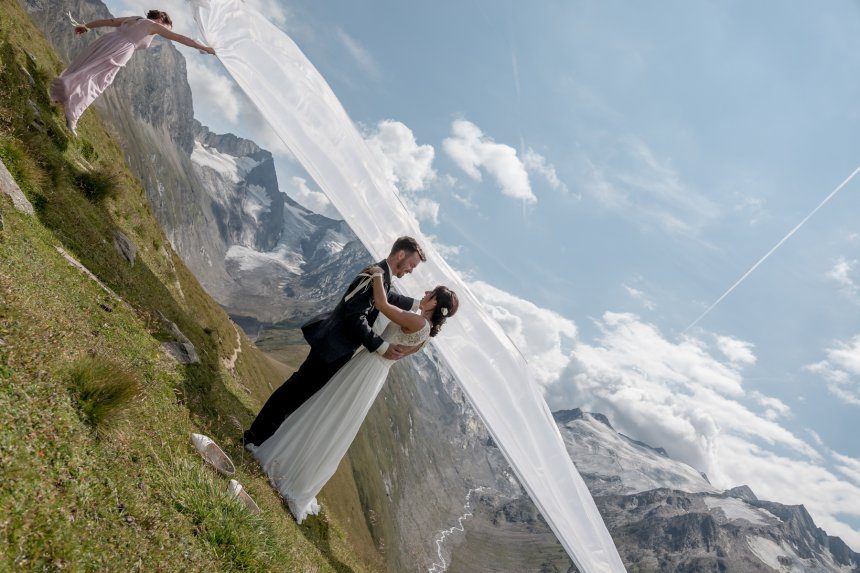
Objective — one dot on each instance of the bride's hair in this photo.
(159, 15)
(446, 307)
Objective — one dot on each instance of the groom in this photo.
(335, 336)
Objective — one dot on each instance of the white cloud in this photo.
(738, 352)
(773, 407)
(543, 336)
(425, 209)
(633, 182)
(682, 395)
(359, 53)
(473, 151)
(212, 89)
(815, 438)
(842, 272)
(445, 250)
(848, 466)
(639, 296)
(315, 201)
(841, 370)
(408, 166)
(534, 162)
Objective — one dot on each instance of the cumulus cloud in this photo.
(213, 89)
(681, 396)
(408, 166)
(315, 201)
(534, 162)
(737, 351)
(543, 336)
(633, 182)
(425, 209)
(841, 370)
(473, 152)
(685, 395)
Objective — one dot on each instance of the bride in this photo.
(304, 452)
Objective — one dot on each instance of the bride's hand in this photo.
(374, 271)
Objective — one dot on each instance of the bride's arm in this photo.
(408, 321)
(407, 350)
(165, 32)
(105, 23)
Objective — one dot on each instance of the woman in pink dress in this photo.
(94, 69)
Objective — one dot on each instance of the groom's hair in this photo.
(409, 245)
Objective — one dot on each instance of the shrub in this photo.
(87, 150)
(96, 185)
(102, 390)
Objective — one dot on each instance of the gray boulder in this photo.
(11, 190)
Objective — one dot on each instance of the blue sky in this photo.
(603, 171)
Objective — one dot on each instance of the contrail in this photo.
(770, 252)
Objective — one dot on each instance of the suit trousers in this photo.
(312, 375)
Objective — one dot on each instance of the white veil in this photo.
(305, 114)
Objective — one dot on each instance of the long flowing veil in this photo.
(306, 115)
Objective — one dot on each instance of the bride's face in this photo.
(428, 302)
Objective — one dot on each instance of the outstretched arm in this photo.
(105, 23)
(408, 321)
(185, 40)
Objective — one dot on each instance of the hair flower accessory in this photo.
(444, 311)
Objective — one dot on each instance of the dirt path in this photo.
(230, 363)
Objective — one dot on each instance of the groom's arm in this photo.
(402, 302)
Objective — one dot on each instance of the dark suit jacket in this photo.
(339, 332)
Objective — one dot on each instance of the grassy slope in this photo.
(136, 496)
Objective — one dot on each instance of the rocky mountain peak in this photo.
(742, 492)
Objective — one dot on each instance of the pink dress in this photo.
(94, 69)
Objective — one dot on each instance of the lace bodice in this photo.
(395, 335)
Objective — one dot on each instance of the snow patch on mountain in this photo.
(256, 202)
(234, 168)
(735, 509)
(619, 465)
(248, 259)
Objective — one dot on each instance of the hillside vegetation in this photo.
(97, 468)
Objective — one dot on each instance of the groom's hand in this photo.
(394, 352)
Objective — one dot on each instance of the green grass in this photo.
(97, 185)
(102, 390)
(133, 496)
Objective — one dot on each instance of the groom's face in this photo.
(405, 263)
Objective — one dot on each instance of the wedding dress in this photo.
(303, 454)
